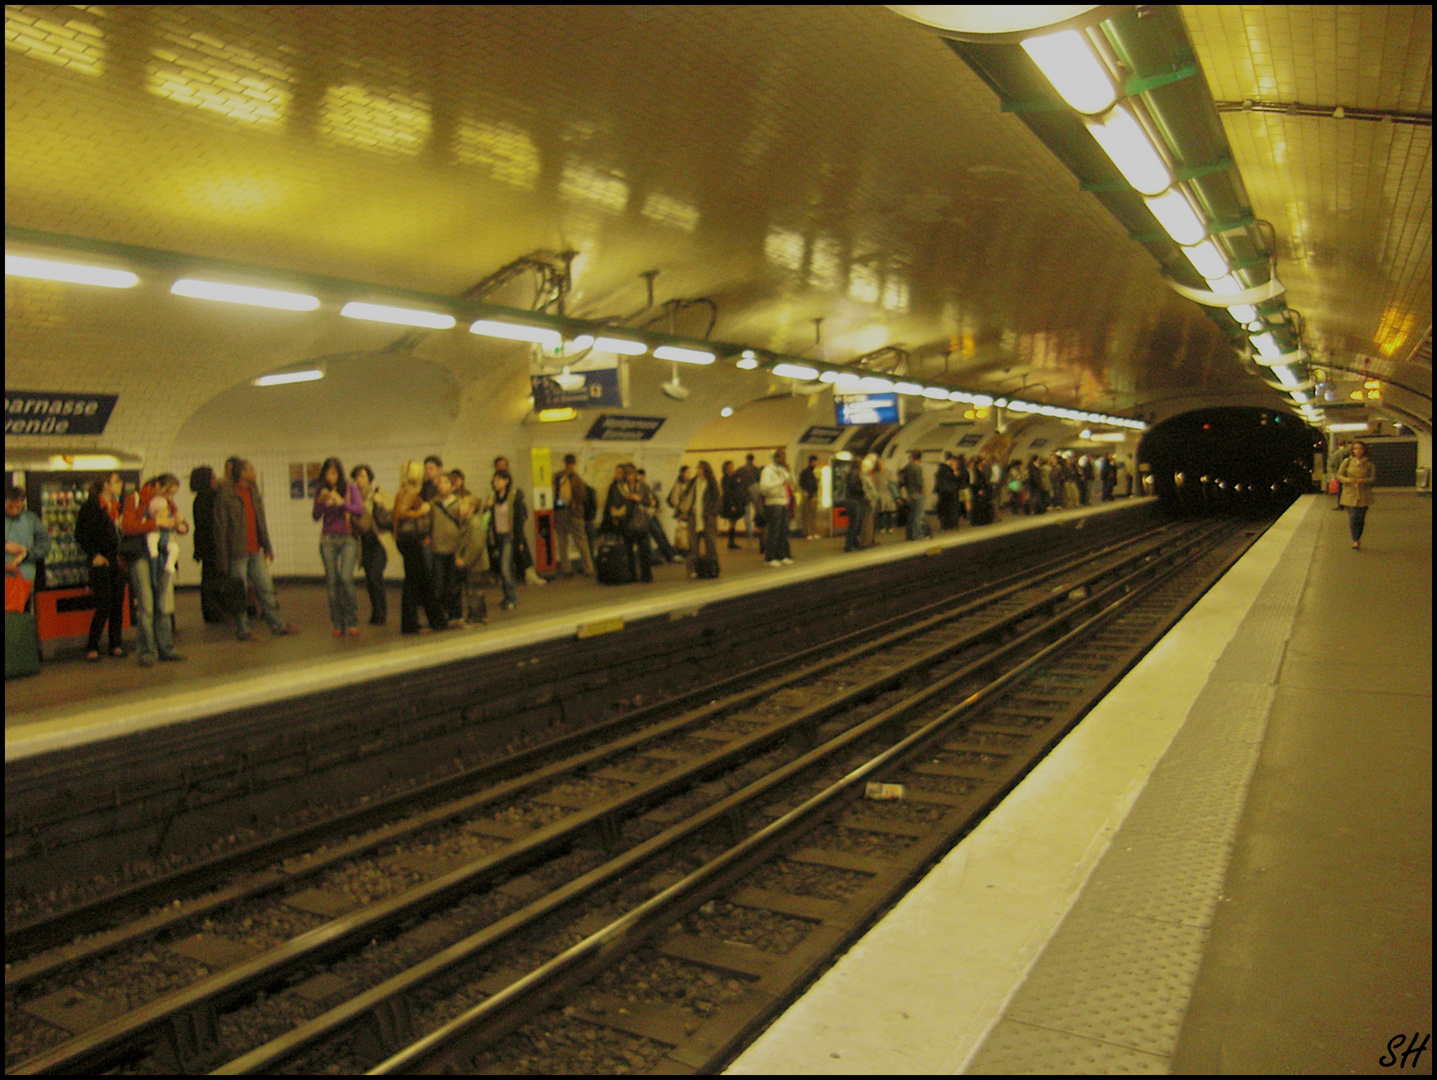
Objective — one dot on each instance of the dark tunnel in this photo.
(1230, 460)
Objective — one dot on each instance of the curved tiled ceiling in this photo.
(791, 163)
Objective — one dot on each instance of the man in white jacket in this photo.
(777, 486)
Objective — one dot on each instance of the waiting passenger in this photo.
(885, 504)
(433, 466)
(681, 527)
(203, 483)
(855, 505)
(699, 503)
(946, 491)
(336, 503)
(97, 532)
(413, 523)
(153, 605)
(982, 493)
(505, 513)
(748, 475)
(374, 518)
(571, 498)
(444, 538)
(471, 559)
(163, 551)
(912, 479)
(808, 486)
(242, 545)
(523, 555)
(735, 501)
(776, 484)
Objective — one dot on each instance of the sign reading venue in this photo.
(32, 412)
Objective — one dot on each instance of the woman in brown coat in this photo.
(1356, 474)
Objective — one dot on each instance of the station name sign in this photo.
(609, 428)
(33, 412)
(819, 435)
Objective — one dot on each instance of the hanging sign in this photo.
(609, 428)
(29, 412)
(820, 436)
(852, 409)
(599, 390)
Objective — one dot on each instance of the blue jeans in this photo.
(506, 567)
(1356, 519)
(339, 554)
(154, 608)
(255, 570)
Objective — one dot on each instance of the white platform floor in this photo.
(1226, 867)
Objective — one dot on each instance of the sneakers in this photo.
(147, 660)
(354, 631)
(774, 563)
(787, 562)
(283, 630)
(508, 605)
(170, 658)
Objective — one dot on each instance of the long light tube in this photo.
(244, 294)
(75, 273)
(683, 356)
(1177, 217)
(908, 388)
(936, 393)
(1207, 260)
(1127, 144)
(873, 382)
(1069, 63)
(1285, 375)
(539, 335)
(402, 316)
(622, 346)
(795, 371)
(1267, 345)
(1243, 313)
(283, 377)
(1227, 285)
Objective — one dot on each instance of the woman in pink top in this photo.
(335, 501)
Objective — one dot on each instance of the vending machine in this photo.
(63, 602)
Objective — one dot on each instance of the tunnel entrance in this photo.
(1230, 460)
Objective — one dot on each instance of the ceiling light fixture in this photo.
(402, 316)
(1208, 262)
(795, 371)
(552, 416)
(1069, 63)
(748, 361)
(74, 273)
(283, 377)
(1127, 144)
(684, 356)
(244, 294)
(538, 335)
(1177, 217)
(627, 348)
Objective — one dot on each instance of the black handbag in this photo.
(225, 594)
(637, 521)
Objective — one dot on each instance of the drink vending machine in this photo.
(64, 603)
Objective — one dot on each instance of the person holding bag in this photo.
(699, 503)
(634, 524)
(337, 503)
(1357, 474)
(412, 526)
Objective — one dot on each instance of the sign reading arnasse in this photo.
(609, 428)
(31, 412)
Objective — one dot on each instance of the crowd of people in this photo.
(456, 544)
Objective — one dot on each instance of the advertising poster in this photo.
(296, 479)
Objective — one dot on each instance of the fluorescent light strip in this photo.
(1127, 144)
(795, 371)
(432, 320)
(1243, 313)
(1285, 375)
(1069, 63)
(244, 294)
(909, 388)
(1351, 426)
(539, 335)
(874, 383)
(1177, 217)
(683, 356)
(1209, 263)
(283, 377)
(625, 347)
(74, 273)
(936, 393)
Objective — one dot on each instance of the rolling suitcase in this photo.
(708, 566)
(22, 644)
(611, 563)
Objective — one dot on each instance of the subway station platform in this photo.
(1226, 867)
(72, 702)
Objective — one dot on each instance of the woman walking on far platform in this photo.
(1357, 474)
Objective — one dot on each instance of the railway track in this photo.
(471, 917)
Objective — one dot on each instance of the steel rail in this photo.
(124, 1034)
(388, 996)
(522, 999)
(97, 917)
